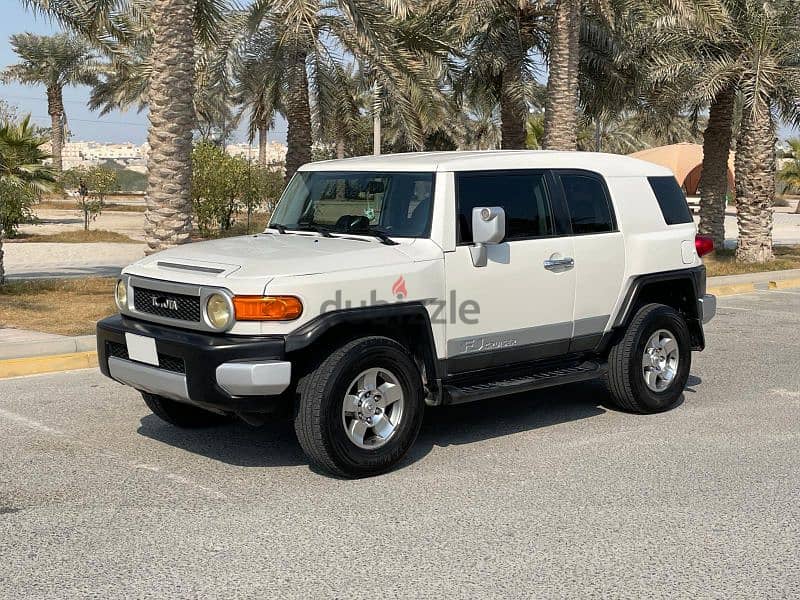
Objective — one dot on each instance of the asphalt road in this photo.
(549, 494)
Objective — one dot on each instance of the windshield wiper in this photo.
(315, 228)
(385, 239)
(281, 228)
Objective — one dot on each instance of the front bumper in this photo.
(217, 372)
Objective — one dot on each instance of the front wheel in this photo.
(649, 366)
(360, 410)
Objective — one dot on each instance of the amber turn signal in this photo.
(267, 308)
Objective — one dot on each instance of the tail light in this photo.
(703, 244)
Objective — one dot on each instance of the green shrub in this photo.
(100, 181)
(224, 187)
(16, 207)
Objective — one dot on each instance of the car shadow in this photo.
(274, 444)
(271, 445)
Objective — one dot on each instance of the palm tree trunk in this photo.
(513, 111)
(560, 115)
(298, 115)
(262, 144)
(755, 185)
(168, 220)
(340, 148)
(55, 108)
(714, 176)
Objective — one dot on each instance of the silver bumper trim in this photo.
(709, 304)
(268, 378)
(149, 379)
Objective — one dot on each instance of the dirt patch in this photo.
(723, 262)
(61, 306)
(79, 236)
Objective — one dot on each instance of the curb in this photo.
(33, 365)
(71, 345)
(732, 289)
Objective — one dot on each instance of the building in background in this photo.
(276, 152)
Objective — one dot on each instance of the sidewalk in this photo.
(34, 260)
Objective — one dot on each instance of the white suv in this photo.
(387, 283)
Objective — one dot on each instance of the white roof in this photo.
(609, 165)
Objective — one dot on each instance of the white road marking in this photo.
(30, 423)
(41, 427)
(786, 393)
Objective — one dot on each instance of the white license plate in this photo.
(141, 349)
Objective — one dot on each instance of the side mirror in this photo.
(488, 227)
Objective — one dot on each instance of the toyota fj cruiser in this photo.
(383, 284)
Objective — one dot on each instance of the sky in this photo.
(84, 124)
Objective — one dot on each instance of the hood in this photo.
(269, 255)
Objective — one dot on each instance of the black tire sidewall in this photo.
(372, 354)
(668, 319)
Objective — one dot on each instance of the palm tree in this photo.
(169, 28)
(561, 107)
(21, 165)
(390, 45)
(55, 62)
(258, 89)
(751, 51)
(499, 41)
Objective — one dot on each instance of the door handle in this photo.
(556, 264)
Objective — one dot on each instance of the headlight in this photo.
(121, 294)
(218, 310)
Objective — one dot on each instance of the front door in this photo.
(519, 306)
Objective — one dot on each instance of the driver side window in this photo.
(522, 195)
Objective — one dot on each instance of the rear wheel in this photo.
(360, 410)
(649, 366)
(181, 414)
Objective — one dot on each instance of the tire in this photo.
(329, 417)
(633, 386)
(180, 414)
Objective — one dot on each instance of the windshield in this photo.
(395, 204)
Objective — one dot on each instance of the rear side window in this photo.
(522, 194)
(589, 207)
(671, 199)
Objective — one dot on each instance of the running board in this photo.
(460, 394)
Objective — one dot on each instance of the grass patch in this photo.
(62, 306)
(723, 262)
(77, 237)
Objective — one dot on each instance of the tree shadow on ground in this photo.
(274, 444)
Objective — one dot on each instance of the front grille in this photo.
(166, 362)
(167, 305)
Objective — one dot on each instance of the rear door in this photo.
(520, 307)
(599, 252)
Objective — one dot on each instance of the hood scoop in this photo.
(171, 265)
(213, 269)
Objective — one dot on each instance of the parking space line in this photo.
(41, 427)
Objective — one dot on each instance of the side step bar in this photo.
(460, 394)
